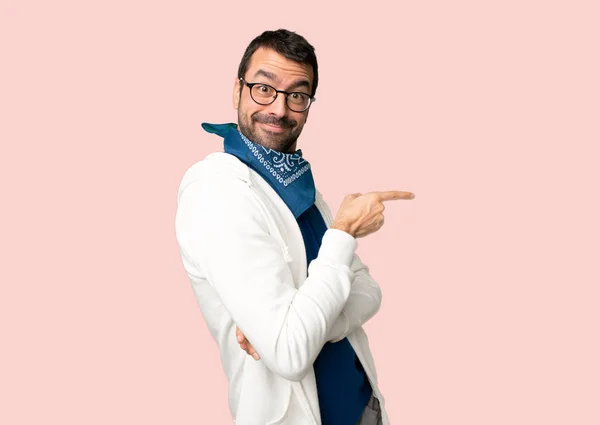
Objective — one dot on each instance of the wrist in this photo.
(343, 227)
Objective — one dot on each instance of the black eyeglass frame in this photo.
(311, 99)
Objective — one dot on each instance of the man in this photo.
(275, 275)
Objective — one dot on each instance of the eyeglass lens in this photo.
(265, 94)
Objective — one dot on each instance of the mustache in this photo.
(270, 119)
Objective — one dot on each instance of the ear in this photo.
(236, 93)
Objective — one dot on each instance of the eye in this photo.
(263, 88)
(298, 98)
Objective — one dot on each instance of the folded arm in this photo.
(362, 304)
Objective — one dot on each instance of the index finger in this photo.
(388, 195)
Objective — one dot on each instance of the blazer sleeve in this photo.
(362, 304)
(222, 229)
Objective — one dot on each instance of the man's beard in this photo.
(279, 142)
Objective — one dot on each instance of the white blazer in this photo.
(243, 251)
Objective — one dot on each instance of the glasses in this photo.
(264, 94)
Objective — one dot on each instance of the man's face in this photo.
(274, 126)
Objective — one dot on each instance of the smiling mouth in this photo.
(272, 127)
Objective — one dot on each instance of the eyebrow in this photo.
(271, 76)
(264, 73)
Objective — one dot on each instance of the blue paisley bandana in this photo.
(288, 174)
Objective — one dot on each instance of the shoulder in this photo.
(215, 168)
(219, 186)
(217, 190)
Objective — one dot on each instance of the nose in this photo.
(278, 107)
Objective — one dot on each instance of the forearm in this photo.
(363, 303)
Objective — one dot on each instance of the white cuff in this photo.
(338, 247)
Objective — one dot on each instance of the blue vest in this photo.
(342, 384)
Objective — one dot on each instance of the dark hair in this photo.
(287, 43)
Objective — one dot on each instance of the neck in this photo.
(290, 150)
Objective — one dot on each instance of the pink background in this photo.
(487, 111)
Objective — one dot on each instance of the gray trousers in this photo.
(372, 413)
